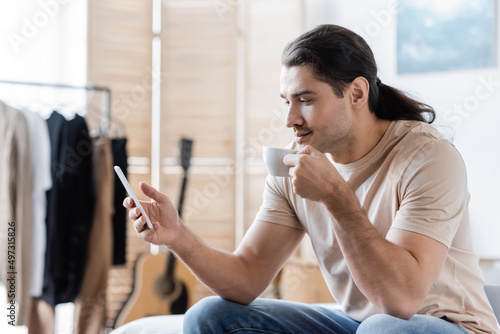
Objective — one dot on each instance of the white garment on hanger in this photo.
(42, 181)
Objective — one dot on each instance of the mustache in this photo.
(301, 129)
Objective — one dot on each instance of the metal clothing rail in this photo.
(107, 95)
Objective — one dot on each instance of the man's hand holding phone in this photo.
(160, 213)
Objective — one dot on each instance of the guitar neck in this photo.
(170, 267)
(186, 148)
(183, 192)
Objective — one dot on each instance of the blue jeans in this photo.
(218, 316)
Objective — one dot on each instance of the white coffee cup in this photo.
(273, 159)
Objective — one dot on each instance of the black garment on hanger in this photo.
(119, 151)
(70, 208)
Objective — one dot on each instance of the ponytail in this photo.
(393, 104)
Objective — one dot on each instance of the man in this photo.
(381, 194)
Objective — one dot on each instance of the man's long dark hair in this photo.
(337, 56)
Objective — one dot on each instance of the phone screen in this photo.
(127, 186)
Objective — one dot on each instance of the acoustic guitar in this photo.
(162, 285)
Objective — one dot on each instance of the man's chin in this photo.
(300, 146)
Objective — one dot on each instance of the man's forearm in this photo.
(383, 271)
(388, 275)
(224, 273)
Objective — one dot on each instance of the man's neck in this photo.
(367, 134)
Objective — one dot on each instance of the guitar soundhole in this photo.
(164, 286)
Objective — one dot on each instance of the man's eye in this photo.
(304, 101)
(287, 103)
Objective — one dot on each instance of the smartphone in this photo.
(127, 186)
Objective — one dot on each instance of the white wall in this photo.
(43, 41)
(467, 104)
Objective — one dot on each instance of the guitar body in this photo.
(148, 296)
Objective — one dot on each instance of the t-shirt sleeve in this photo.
(276, 207)
(433, 192)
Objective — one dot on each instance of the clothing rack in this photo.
(106, 120)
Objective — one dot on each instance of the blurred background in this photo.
(208, 70)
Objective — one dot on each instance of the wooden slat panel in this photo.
(198, 102)
(198, 92)
(254, 187)
(119, 57)
(208, 206)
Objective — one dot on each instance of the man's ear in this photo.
(358, 92)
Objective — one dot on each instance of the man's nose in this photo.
(293, 116)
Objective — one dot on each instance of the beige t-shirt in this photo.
(414, 180)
